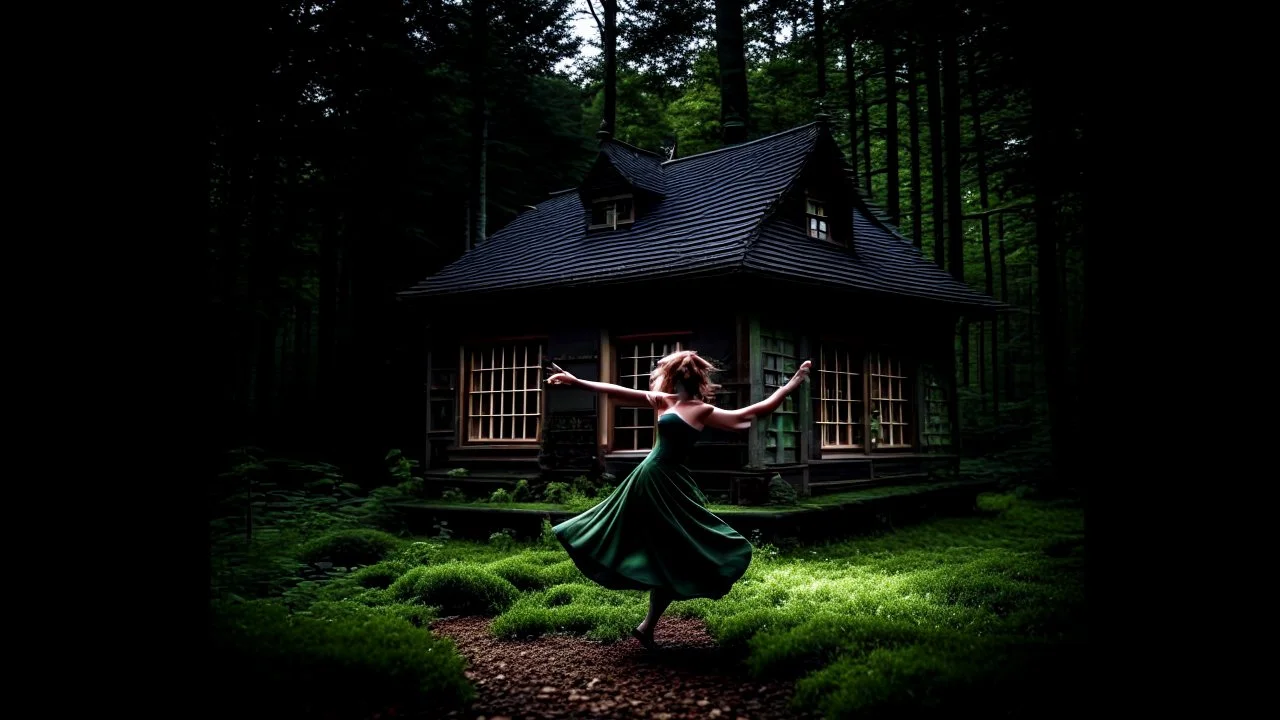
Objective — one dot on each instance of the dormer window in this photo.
(816, 217)
(613, 212)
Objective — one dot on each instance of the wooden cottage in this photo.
(758, 255)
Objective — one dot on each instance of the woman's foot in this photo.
(645, 638)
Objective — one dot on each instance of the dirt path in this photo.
(569, 677)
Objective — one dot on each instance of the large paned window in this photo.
(842, 410)
(504, 392)
(865, 399)
(634, 427)
(890, 401)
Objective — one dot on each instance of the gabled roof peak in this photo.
(632, 148)
(748, 143)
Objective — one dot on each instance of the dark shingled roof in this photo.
(551, 245)
(641, 168)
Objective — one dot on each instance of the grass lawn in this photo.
(979, 614)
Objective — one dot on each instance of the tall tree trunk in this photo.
(1033, 380)
(230, 267)
(735, 116)
(264, 281)
(327, 320)
(951, 100)
(1010, 391)
(913, 120)
(951, 118)
(865, 99)
(933, 94)
(1047, 167)
(980, 160)
(893, 200)
(851, 101)
(820, 47)
(303, 393)
(479, 119)
(609, 38)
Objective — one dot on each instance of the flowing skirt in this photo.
(654, 532)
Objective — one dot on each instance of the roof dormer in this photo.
(621, 186)
(822, 200)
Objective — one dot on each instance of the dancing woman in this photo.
(654, 532)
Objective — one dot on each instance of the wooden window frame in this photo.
(466, 390)
(609, 371)
(822, 216)
(881, 374)
(611, 199)
(871, 369)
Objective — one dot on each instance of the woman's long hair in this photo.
(685, 369)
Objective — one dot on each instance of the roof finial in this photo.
(603, 133)
(821, 116)
(669, 146)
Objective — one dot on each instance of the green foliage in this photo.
(548, 535)
(458, 472)
(501, 496)
(452, 495)
(417, 615)
(951, 600)
(555, 492)
(915, 618)
(504, 539)
(343, 659)
(381, 575)
(781, 492)
(360, 546)
(577, 608)
(520, 492)
(456, 589)
(531, 570)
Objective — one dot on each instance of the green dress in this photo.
(655, 532)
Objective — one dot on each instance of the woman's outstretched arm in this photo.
(740, 419)
(630, 395)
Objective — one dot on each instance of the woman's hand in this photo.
(560, 376)
(802, 374)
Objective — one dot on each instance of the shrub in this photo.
(1008, 677)
(503, 539)
(380, 575)
(781, 492)
(346, 661)
(456, 589)
(575, 608)
(555, 492)
(346, 548)
(521, 491)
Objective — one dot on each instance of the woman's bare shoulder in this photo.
(703, 409)
(660, 401)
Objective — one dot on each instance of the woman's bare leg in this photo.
(658, 602)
